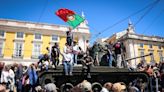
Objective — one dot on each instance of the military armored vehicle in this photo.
(99, 75)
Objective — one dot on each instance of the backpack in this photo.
(117, 45)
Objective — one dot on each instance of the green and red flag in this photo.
(70, 17)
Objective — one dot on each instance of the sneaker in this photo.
(53, 66)
(70, 74)
(88, 75)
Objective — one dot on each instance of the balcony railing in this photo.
(17, 56)
(34, 57)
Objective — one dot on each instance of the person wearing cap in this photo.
(107, 87)
(118, 87)
(49, 86)
(38, 89)
(86, 86)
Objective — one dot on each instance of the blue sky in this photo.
(100, 14)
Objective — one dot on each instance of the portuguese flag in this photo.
(70, 17)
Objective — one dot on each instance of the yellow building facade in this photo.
(22, 42)
(139, 45)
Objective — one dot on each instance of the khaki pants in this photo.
(119, 59)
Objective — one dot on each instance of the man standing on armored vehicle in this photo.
(95, 50)
(69, 37)
(67, 60)
(76, 51)
(87, 62)
(109, 55)
(55, 51)
(117, 50)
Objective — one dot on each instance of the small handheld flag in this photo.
(70, 17)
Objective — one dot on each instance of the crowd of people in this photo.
(114, 54)
(19, 78)
(26, 81)
(155, 72)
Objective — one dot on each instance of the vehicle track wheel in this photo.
(96, 87)
(66, 87)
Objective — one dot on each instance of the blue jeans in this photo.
(151, 86)
(41, 66)
(46, 67)
(68, 68)
(40, 56)
(19, 86)
(75, 59)
(110, 59)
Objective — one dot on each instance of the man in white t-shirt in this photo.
(68, 59)
(76, 51)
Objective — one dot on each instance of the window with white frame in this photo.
(159, 47)
(55, 38)
(1, 48)
(36, 49)
(142, 54)
(141, 45)
(160, 55)
(38, 36)
(18, 51)
(150, 46)
(20, 35)
(2, 33)
(152, 56)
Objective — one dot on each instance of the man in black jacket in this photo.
(55, 51)
(87, 62)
